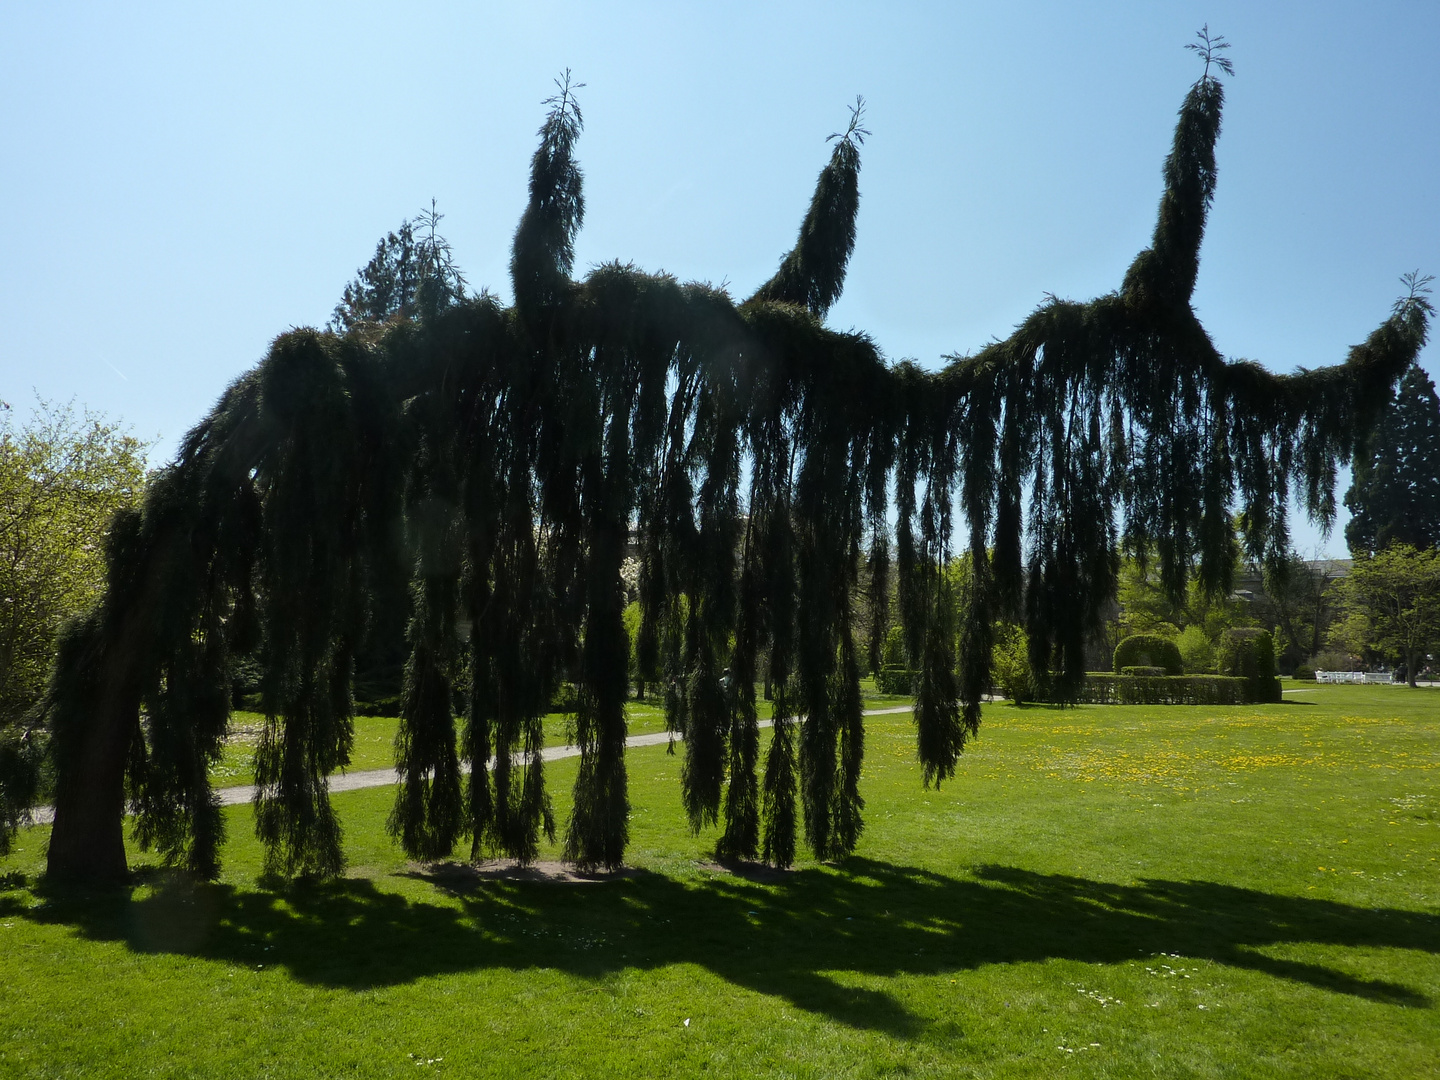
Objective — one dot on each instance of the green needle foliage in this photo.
(412, 274)
(521, 446)
(1395, 494)
(813, 274)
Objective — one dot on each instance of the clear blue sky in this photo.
(181, 183)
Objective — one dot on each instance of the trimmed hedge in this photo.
(1103, 688)
(385, 706)
(1148, 650)
(893, 679)
(1306, 673)
(1143, 672)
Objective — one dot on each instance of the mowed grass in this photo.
(1102, 891)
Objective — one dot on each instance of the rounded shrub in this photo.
(1148, 650)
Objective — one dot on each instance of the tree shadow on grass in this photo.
(800, 939)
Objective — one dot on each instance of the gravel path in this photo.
(370, 778)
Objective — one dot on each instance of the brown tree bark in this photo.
(87, 841)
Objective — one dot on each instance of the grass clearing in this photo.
(1103, 891)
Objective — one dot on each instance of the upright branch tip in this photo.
(1417, 293)
(1209, 48)
(856, 131)
(564, 108)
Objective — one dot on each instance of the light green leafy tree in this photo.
(1145, 607)
(62, 476)
(1196, 650)
(1392, 604)
(1010, 662)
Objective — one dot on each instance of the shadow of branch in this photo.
(800, 938)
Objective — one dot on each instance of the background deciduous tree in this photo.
(1392, 604)
(1146, 607)
(62, 476)
(1298, 605)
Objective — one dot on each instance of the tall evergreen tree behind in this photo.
(412, 273)
(413, 276)
(1395, 495)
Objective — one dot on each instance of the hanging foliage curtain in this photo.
(751, 450)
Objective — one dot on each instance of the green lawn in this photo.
(1103, 891)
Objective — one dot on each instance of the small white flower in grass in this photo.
(687, 1021)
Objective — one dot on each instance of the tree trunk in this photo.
(87, 842)
(1411, 655)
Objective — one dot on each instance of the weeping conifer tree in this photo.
(521, 446)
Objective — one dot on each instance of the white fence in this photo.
(1354, 676)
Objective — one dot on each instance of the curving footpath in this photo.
(371, 778)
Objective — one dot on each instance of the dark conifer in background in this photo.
(412, 273)
(1395, 492)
